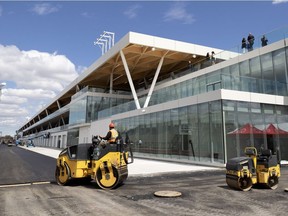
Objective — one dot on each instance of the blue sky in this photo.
(46, 45)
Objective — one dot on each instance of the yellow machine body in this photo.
(106, 164)
(244, 172)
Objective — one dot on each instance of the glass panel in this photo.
(244, 121)
(255, 108)
(226, 78)
(287, 58)
(280, 71)
(160, 130)
(230, 118)
(244, 68)
(244, 73)
(174, 130)
(256, 73)
(213, 81)
(138, 141)
(234, 70)
(77, 113)
(72, 137)
(178, 90)
(183, 86)
(255, 67)
(216, 132)
(268, 75)
(168, 137)
(282, 119)
(204, 131)
(189, 87)
(173, 92)
(183, 132)
(193, 132)
(270, 140)
(195, 86)
(202, 84)
(257, 121)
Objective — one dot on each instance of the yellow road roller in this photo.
(101, 161)
(244, 172)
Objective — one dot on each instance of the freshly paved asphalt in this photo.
(204, 192)
(18, 166)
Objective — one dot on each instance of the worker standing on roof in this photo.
(250, 40)
(112, 134)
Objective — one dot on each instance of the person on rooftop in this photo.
(250, 40)
(264, 41)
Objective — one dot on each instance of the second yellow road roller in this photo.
(101, 161)
(244, 172)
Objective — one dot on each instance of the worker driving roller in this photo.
(111, 135)
(106, 164)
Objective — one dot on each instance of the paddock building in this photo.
(173, 102)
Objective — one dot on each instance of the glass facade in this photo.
(197, 132)
(203, 132)
(238, 114)
(265, 74)
(189, 133)
(89, 108)
(207, 132)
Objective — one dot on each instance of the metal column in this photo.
(130, 80)
(154, 82)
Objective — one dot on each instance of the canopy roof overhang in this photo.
(142, 54)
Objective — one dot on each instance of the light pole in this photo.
(1, 86)
(106, 41)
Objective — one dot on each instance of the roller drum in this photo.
(112, 177)
(273, 182)
(239, 183)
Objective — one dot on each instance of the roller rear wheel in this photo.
(62, 175)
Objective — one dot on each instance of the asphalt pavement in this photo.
(140, 167)
(204, 192)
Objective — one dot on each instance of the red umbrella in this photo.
(247, 129)
(272, 130)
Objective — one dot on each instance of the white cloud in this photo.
(33, 78)
(11, 110)
(12, 99)
(279, 1)
(44, 8)
(132, 11)
(178, 12)
(28, 93)
(33, 69)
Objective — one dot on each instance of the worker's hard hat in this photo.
(111, 125)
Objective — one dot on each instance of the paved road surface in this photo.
(204, 193)
(18, 165)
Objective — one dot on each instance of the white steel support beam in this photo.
(58, 104)
(77, 88)
(63, 122)
(111, 83)
(130, 80)
(153, 83)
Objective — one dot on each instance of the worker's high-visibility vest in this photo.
(114, 135)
